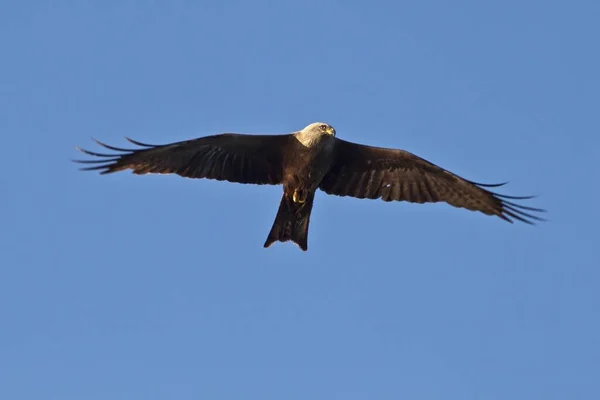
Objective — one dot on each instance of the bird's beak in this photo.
(331, 131)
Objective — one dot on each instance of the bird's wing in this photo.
(389, 174)
(229, 156)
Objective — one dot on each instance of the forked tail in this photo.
(291, 221)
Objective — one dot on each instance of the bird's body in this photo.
(309, 159)
(306, 161)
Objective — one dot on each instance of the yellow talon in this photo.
(297, 199)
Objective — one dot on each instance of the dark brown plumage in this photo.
(305, 161)
(396, 175)
(256, 159)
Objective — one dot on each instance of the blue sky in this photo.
(157, 287)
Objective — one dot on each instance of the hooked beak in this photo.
(331, 131)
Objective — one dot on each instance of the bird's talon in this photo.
(297, 198)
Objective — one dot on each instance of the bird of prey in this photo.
(304, 161)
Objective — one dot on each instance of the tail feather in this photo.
(291, 222)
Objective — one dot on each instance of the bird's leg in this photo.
(299, 196)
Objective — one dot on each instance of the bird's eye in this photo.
(323, 127)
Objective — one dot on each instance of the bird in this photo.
(306, 161)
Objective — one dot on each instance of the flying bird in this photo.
(304, 161)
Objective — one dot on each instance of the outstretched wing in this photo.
(389, 174)
(229, 156)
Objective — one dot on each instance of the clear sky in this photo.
(157, 287)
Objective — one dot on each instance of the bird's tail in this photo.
(291, 222)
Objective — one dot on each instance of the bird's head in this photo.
(319, 128)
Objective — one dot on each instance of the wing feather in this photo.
(396, 175)
(232, 157)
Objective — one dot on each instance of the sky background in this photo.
(157, 287)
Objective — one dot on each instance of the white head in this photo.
(318, 129)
